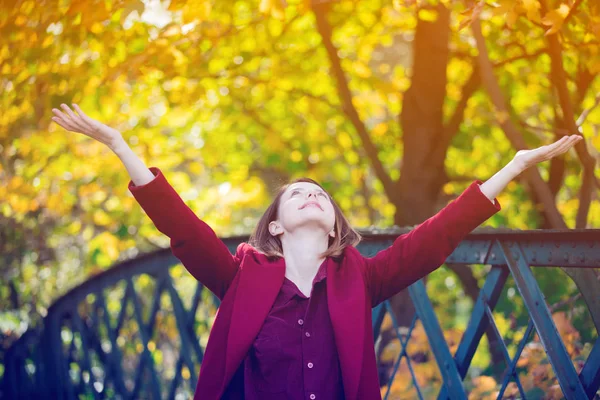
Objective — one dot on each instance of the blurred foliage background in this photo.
(394, 106)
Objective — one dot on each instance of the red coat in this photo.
(248, 283)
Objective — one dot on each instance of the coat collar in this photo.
(347, 310)
(259, 283)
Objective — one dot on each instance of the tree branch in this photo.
(571, 11)
(453, 125)
(348, 108)
(555, 131)
(514, 136)
(300, 91)
(524, 56)
(559, 81)
(586, 112)
(366, 193)
(583, 81)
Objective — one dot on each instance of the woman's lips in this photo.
(311, 203)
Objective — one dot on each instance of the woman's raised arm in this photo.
(193, 242)
(421, 251)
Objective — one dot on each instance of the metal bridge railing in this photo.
(89, 348)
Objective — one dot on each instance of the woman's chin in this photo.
(313, 225)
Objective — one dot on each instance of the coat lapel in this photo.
(346, 303)
(260, 281)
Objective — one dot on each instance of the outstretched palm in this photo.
(528, 158)
(81, 123)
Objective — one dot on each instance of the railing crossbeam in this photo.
(40, 365)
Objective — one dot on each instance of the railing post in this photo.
(478, 322)
(54, 374)
(542, 319)
(590, 374)
(439, 347)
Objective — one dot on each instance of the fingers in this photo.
(563, 145)
(568, 143)
(83, 116)
(558, 144)
(76, 120)
(63, 120)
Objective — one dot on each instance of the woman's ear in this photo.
(274, 228)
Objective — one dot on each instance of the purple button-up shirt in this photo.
(294, 355)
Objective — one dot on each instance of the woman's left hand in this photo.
(528, 158)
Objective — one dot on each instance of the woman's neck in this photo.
(302, 253)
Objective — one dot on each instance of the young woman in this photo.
(295, 316)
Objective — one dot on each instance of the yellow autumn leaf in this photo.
(24, 74)
(278, 12)
(501, 7)
(361, 70)
(470, 14)
(511, 18)
(593, 65)
(428, 15)
(380, 129)
(555, 18)
(18, 203)
(15, 183)
(56, 203)
(532, 7)
(305, 6)
(96, 28)
(344, 140)
(195, 167)
(265, 6)
(596, 142)
(109, 245)
(197, 11)
(43, 68)
(175, 5)
(465, 23)
(274, 7)
(74, 227)
(101, 218)
(20, 20)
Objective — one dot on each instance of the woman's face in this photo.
(305, 204)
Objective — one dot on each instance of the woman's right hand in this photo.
(83, 124)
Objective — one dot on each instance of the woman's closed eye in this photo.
(297, 191)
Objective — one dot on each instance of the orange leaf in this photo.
(555, 18)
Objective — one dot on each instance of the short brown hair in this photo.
(262, 240)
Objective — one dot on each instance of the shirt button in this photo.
(300, 322)
(312, 396)
(307, 334)
(309, 365)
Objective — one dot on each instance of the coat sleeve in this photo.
(193, 242)
(425, 248)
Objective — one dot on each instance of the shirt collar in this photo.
(289, 289)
